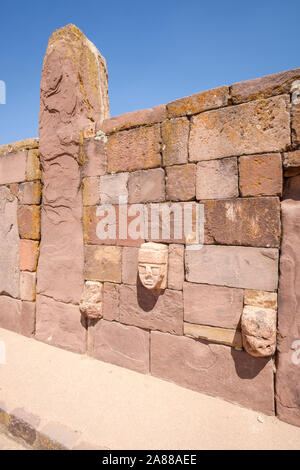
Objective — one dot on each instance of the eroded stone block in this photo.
(103, 263)
(13, 167)
(175, 134)
(181, 182)
(146, 186)
(261, 175)
(92, 299)
(176, 267)
(199, 102)
(259, 331)
(217, 179)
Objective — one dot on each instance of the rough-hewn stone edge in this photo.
(50, 436)
(27, 144)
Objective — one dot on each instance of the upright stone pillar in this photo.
(74, 99)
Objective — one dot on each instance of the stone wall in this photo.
(232, 154)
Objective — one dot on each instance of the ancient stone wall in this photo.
(223, 160)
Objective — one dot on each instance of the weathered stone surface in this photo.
(146, 186)
(30, 193)
(125, 346)
(29, 222)
(226, 336)
(113, 188)
(9, 244)
(130, 265)
(264, 87)
(248, 222)
(214, 369)
(27, 286)
(291, 159)
(95, 157)
(257, 127)
(234, 266)
(212, 305)
(296, 124)
(151, 309)
(136, 149)
(181, 182)
(217, 179)
(19, 145)
(103, 263)
(73, 98)
(13, 168)
(60, 324)
(176, 267)
(90, 191)
(33, 170)
(259, 331)
(27, 320)
(10, 313)
(292, 188)
(134, 119)
(199, 102)
(288, 359)
(111, 299)
(257, 298)
(175, 135)
(261, 175)
(92, 299)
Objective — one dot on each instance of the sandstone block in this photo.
(10, 313)
(248, 222)
(111, 300)
(217, 179)
(130, 265)
(146, 186)
(92, 299)
(175, 135)
(212, 305)
(95, 157)
(214, 369)
(27, 320)
(292, 188)
(103, 263)
(29, 253)
(114, 187)
(134, 119)
(30, 193)
(296, 124)
(259, 331)
(90, 191)
(261, 175)
(291, 159)
(27, 286)
(29, 222)
(14, 147)
(243, 267)
(181, 182)
(60, 324)
(199, 102)
(33, 170)
(13, 167)
(136, 149)
(257, 127)
(176, 267)
(229, 337)
(261, 299)
(151, 310)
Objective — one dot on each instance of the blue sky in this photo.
(156, 51)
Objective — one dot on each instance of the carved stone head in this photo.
(153, 265)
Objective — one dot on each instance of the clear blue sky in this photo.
(156, 50)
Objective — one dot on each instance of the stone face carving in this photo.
(91, 301)
(259, 331)
(153, 265)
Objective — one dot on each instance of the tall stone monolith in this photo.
(74, 100)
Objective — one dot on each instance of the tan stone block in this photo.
(30, 193)
(261, 175)
(176, 267)
(146, 186)
(95, 157)
(130, 265)
(103, 263)
(181, 182)
(29, 222)
(14, 189)
(257, 298)
(13, 167)
(136, 149)
(14, 147)
(27, 286)
(217, 179)
(113, 188)
(229, 337)
(90, 191)
(259, 331)
(136, 118)
(248, 222)
(256, 127)
(111, 300)
(29, 253)
(33, 170)
(175, 135)
(199, 102)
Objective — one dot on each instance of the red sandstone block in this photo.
(176, 267)
(136, 118)
(247, 222)
(146, 186)
(27, 286)
(29, 222)
(181, 182)
(111, 299)
(261, 175)
(27, 320)
(151, 309)
(136, 149)
(30, 193)
(264, 87)
(113, 188)
(125, 346)
(13, 167)
(103, 263)
(291, 159)
(130, 265)
(95, 157)
(10, 313)
(214, 369)
(212, 305)
(175, 135)
(257, 127)
(199, 102)
(217, 179)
